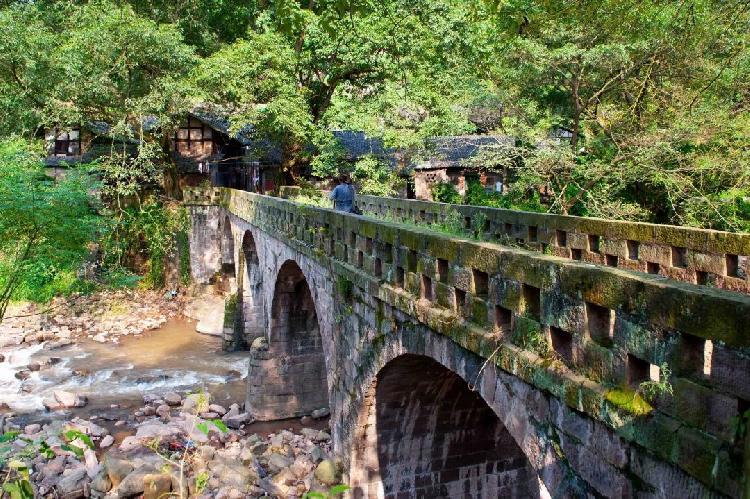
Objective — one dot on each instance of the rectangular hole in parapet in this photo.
(368, 246)
(532, 301)
(467, 222)
(701, 277)
(353, 239)
(388, 253)
(640, 370)
(561, 238)
(576, 254)
(733, 265)
(460, 300)
(400, 276)
(360, 259)
(695, 355)
(378, 268)
(562, 343)
(653, 267)
(486, 227)
(679, 257)
(481, 282)
(411, 261)
(425, 288)
(611, 260)
(633, 247)
(503, 318)
(599, 323)
(422, 215)
(442, 269)
(533, 234)
(508, 228)
(593, 243)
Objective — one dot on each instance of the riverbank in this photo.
(173, 445)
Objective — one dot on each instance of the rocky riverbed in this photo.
(173, 445)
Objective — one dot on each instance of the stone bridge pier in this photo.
(459, 368)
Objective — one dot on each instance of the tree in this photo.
(46, 226)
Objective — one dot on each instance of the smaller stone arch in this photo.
(287, 376)
(227, 248)
(250, 293)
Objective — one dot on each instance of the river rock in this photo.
(156, 486)
(320, 413)
(217, 409)
(69, 399)
(23, 375)
(106, 442)
(277, 462)
(132, 485)
(101, 483)
(91, 462)
(237, 421)
(32, 429)
(72, 485)
(163, 411)
(117, 469)
(172, 398)
(326, 472)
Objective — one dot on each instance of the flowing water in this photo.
(171, 358)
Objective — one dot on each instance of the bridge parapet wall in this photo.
(586, 335)
(706, 257)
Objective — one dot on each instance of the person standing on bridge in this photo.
(343, 195)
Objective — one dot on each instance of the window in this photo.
(193, 138)
(67, 143)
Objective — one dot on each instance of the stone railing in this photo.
(589, 335)
(705, 257)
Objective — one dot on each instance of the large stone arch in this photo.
(288, 376)
(413, 355)
(250, 292)
(435, 437)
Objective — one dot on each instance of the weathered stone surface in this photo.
(384, 286)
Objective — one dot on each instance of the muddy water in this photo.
(172, 358)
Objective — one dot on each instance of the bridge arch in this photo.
(287, 375)
(226, 243)
(429, 435)
(250, 291)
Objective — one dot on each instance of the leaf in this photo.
(203, 427)
(9, 436)
(220, 425)
(74, 449)
(338, 489)
(314, 495)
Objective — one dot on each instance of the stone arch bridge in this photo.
(510, 364)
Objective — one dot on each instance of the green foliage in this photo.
(46, 226)
(444, 192)
(529, 336)
(71, 436)
(335, 491)
(151, 232)
(375, 177)
(652, 390)
(629, 400)
(204, 428)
